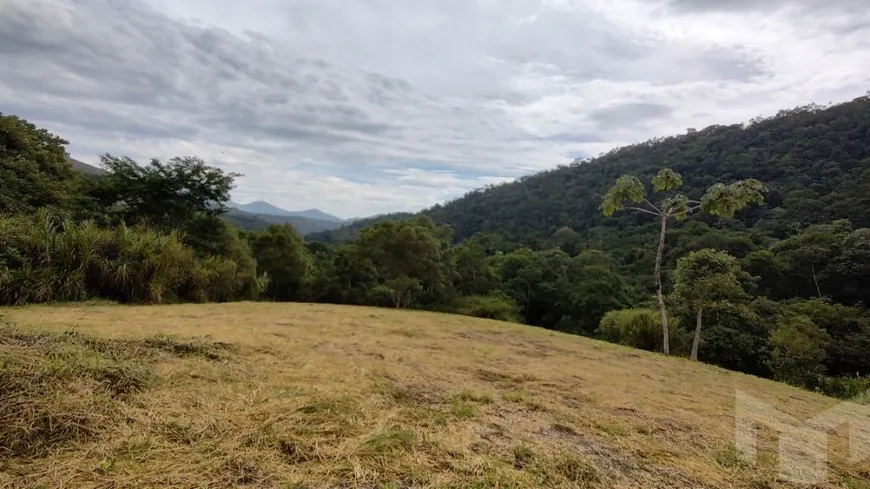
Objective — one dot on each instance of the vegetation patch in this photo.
(216, 350)
(462, 410)
(57, 389)
(388, 441)
(471, 396)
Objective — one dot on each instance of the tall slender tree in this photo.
(720, 199)
(704, 278)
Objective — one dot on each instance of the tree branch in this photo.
(641, 209)
(688, 210)
(651, 205)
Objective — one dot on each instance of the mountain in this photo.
(262, 207)
(85, 168)
(250, 221)
(349, 229)
(816, 161)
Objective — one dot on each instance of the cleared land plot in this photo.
(298, 395)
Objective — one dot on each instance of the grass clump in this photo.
(463, 410)
(56, 390)
(523, 457)
(471, 396)
(730, 458)
(577, 470)
(387, 441)
(525, 398)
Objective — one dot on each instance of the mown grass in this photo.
(291, 395)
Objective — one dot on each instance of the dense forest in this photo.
(764, 266)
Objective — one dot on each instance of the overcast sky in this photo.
(360, 107)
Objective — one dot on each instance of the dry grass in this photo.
(295, 396)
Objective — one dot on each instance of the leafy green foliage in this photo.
(165, 195)
(640, 328)
(34, 170)
(726, 200)
(627, 189)
(47, 259)
(494, 306)
(704, 278)
(798, 348)
(708, 276)
(281, 255)
(667, 180)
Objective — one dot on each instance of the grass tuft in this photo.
(463, 410)
(730, 458)
(576, 470)
(523, 457)
(387, 441)
(471, 396)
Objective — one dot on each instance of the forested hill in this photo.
(816, 161)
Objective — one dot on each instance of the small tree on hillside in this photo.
(704, 278)
(720, 199)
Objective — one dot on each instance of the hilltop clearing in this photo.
(298, 395)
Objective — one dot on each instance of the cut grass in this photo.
(295, 396)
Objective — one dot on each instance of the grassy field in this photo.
(295, 395)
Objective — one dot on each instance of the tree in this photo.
(409, 256)
(34, 169)
(813, 250)
(850, 271)
(721, 200)
(282, 256)
(798, 349)
(567, 240)
(706, 277)
(474, 274)
(166, 195)
(595, 289)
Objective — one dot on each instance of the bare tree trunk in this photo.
(666, 344)
(815, 280)
(697, 341)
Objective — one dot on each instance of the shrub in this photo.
(640, 328)
(856, 389)
(491, 306)
(48, 259)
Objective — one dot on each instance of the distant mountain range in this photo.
(258, 215)
(262, 207)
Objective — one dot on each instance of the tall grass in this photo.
(45, 258)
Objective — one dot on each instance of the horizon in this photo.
(372, 109)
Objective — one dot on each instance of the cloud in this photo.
(630, 113)
(383, 106)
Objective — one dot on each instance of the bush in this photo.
(491, 306)
(46, 259)
(856, 389)
(639, 328)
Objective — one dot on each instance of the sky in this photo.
(361, 107)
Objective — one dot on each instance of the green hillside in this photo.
(816, 160)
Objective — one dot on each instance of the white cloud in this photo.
(367, 106)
